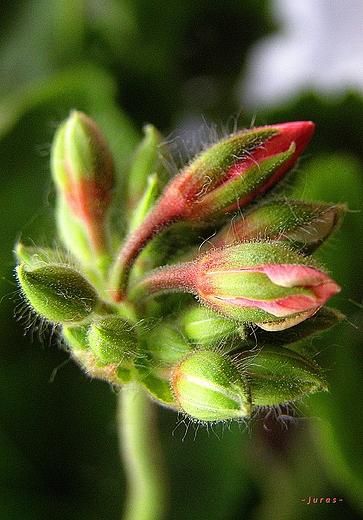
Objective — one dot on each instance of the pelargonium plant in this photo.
(203, 303)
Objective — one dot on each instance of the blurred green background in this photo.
(174, 64)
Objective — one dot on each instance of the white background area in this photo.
(318, 46)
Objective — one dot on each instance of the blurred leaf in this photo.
(338, 178)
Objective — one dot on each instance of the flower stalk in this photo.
(145, 498)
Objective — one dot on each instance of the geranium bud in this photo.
(303, 225)
(279, 376)
(232, 172)
(208, 387)
(145, 163)
(58, 293)
(111, 339)
(166, 344)
(207, 328)
(258, 282)
(82, 170)
(220, 180)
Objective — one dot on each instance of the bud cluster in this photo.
(217, 330)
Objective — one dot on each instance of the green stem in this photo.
(141, 455)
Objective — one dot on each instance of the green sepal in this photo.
(124, 374)
(34, 256)
(147, 201)
(75, 237)
(156, 382)
(323, 320)
(302, 225)
(166, 344)
(145, 163)
(58, 293)
(217, 202)
(75, 336)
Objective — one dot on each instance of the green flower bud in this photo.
(279, 376)
(58, 293)
(208, 387)
(208, 328)
(83, 173)
(111, 339)
(166, 344)
(305, 225)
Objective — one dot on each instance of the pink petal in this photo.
(279, 308)
(293, 275)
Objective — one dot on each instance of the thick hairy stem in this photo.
(167, 212)
(141, 455)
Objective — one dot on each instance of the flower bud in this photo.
(58, 292)
(303, 225)
(258, 282)
(208, 387)
(166, 344)
(111, 339)
(235, 170)
(83, 173)
(279, 376)
(207, 328)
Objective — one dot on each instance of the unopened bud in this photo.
(82, 170)
(279, 376)
(208, 387)
(58, 293)
(262, 283)
(235, 170)
(303, 225)
(111, 339)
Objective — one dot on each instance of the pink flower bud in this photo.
(82, 170)
(263, 283)
(237, 169)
